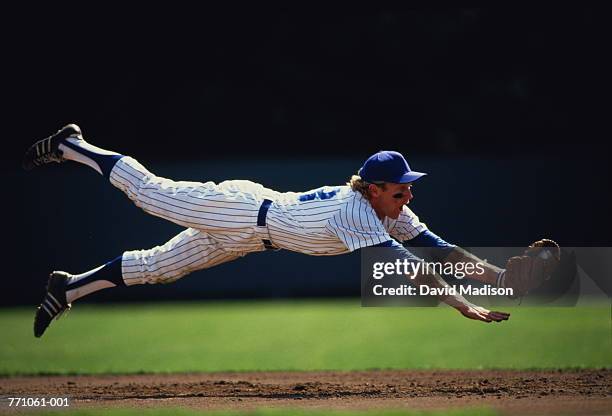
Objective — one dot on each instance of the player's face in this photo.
(389, 202)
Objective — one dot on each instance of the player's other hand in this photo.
(469, 310)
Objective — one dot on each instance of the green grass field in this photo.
(299, 335)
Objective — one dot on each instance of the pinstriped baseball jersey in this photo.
(333, 220)
(221, 221)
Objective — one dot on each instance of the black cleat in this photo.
(53, 304)
(47, 150)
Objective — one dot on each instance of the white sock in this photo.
(79, 292)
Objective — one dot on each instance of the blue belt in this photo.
(261, 222)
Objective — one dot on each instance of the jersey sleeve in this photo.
(357, 225)
(399, 250)
(430, 246)
(406, 226)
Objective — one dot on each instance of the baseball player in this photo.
(228, 220)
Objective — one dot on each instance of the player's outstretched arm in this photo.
(432, 246)
(491, 271)
(540, 262)
(432, 280)
(466, 308)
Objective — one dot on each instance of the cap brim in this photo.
(410, 177)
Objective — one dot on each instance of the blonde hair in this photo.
(357, 184)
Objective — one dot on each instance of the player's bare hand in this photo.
(482, 314)
(469, 310)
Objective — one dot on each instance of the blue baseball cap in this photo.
(388, 166)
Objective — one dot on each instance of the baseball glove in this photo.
(528, 272)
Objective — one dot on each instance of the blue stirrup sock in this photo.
(78, 150)
(105, 276)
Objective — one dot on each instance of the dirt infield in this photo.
(511, 392)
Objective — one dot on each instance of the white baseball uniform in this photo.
(225, 221)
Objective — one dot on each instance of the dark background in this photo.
(507, 110)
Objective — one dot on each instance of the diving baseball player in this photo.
(233, 218)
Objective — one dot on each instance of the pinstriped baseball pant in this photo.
(221, 222)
